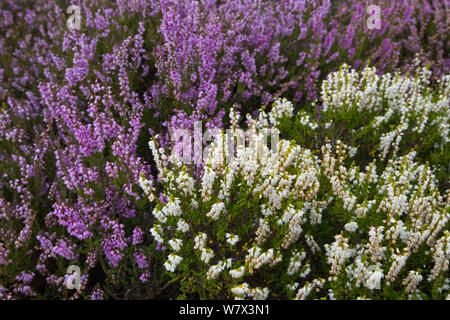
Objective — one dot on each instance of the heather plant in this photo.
(394, 232)
(228, 54)
(70, 167)
(407, 28)
(295, 224)
(381, 117)
(235, 233)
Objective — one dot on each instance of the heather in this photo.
(301, 223)
(80, 186)
(401, 114)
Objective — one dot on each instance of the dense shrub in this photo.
(382, 116)
(292, 224)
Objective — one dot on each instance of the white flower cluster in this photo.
(243, 290)
(232, 239)
(207, 254)
(200, 241)
(281, 108)
(172, 262)
(176, 244)
(296, 261)
(305, 121)
(182, 226)
(441, 256)
(147, 186)
(216, 210)
(305, 291)
(277, 176)
(351, 226)
(394, 106)
(216, 269)
(265, 206)
(255, 258)
(237, 273)
(406, 213)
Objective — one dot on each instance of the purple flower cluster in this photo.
(70, 122)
